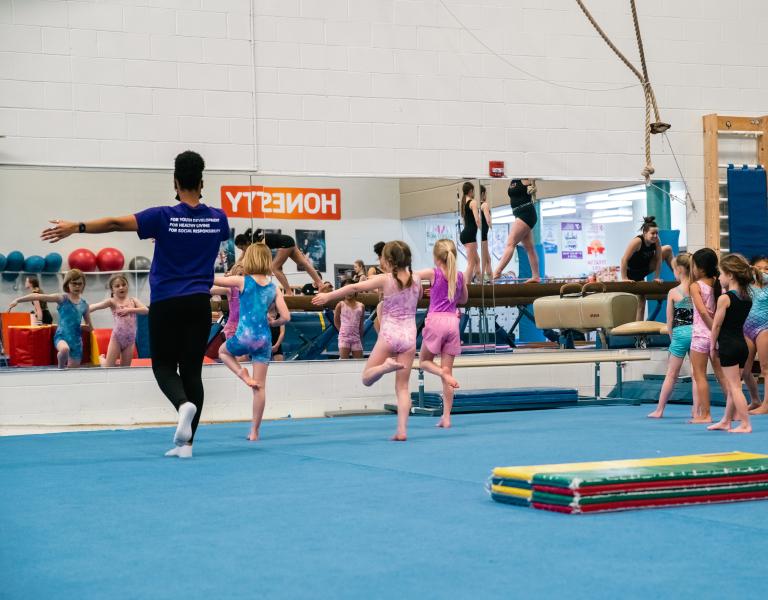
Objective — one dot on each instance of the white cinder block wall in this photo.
(386, 87)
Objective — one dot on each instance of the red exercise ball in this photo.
(82, 259)
(110, 259)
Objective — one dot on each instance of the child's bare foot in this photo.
(253, 436)
(754, 405)
(533, 280)
(720, 426)
(248, 380)
(391, 365)
(445, 423)
(742, 428)
(701, 420)
(760, 410)
(656, 414)
(450, 380)
(399, 437)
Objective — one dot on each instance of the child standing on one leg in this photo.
(73, 309)
(348, 316)
(257, 296)
(124, 310)
(728, 330)
(680, 328)
(705, 291)
(441, 334)
(396, 344)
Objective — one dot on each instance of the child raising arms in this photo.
(73, 309)
(124, 310)
(252, 336)
(396, 344)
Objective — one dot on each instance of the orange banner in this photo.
(260, 202)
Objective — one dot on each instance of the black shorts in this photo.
(527, 215)
(637, 275)
(468, 236)
(278, 240)
(733, 352)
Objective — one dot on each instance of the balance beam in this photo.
(550, 357)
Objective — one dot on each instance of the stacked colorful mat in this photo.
(638, 483)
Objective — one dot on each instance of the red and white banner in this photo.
(261, 202)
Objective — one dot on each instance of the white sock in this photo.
(173, 451)
(185, 451)
(184, 428)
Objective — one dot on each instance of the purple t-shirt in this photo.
(187, 241)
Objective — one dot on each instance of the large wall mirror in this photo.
(571, 230)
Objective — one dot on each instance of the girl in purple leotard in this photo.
(124, 310)
(396, 345)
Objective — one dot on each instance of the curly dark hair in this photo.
(188, 170)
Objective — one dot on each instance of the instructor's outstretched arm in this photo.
(62, 229)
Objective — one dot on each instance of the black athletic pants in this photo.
(178, 334)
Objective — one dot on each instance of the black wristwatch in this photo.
(81, 227)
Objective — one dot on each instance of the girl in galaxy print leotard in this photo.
(253, 336)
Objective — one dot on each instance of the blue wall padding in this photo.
(142, 336)
(528, 332)
(667, 237)
(747, 210)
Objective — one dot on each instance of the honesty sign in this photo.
(261, 202)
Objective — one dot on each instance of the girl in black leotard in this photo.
(643, 256)
(470, 216)
(485, 255)
(736, 274)
(522, 200)
(285, 248)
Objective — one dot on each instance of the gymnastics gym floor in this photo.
(329, 508)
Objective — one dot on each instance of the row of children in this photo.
(718, 315)
(73, 309)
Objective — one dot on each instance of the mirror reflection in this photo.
(324, 234)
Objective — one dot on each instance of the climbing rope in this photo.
(650, 97)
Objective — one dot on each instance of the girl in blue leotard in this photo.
(253, 337)
(73, 309)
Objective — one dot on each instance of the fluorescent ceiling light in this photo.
(559, 203)
(596, 198)
(557, 212)
(612, 220)
(609, 204)
(622, 212)
(635, 189)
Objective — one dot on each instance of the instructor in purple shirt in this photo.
(187, 238)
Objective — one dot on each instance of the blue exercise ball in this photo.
(34, 264)
(52, 263)
(2, 262)
(13, 263)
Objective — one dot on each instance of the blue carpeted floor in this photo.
(331, 509)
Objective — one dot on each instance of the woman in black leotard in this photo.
(485, 255)
(521, 194)
(736, 275)
(285, 248)
(470, 216)
(643, 256)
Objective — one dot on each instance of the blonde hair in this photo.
(72, 275)
(445, 252)
(398, 255)
(684, 260)
(257, 259)
(114, 278)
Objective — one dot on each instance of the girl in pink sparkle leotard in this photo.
(396, 345)
(124, 310)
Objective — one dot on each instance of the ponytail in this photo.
(445, 252)
(398, 255)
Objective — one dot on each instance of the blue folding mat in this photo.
(747, 210)
(492, 400)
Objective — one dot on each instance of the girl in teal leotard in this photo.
(73, 309)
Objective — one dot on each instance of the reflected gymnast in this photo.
(521, 194)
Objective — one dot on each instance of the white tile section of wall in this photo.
(379, 63)
(130, 396)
